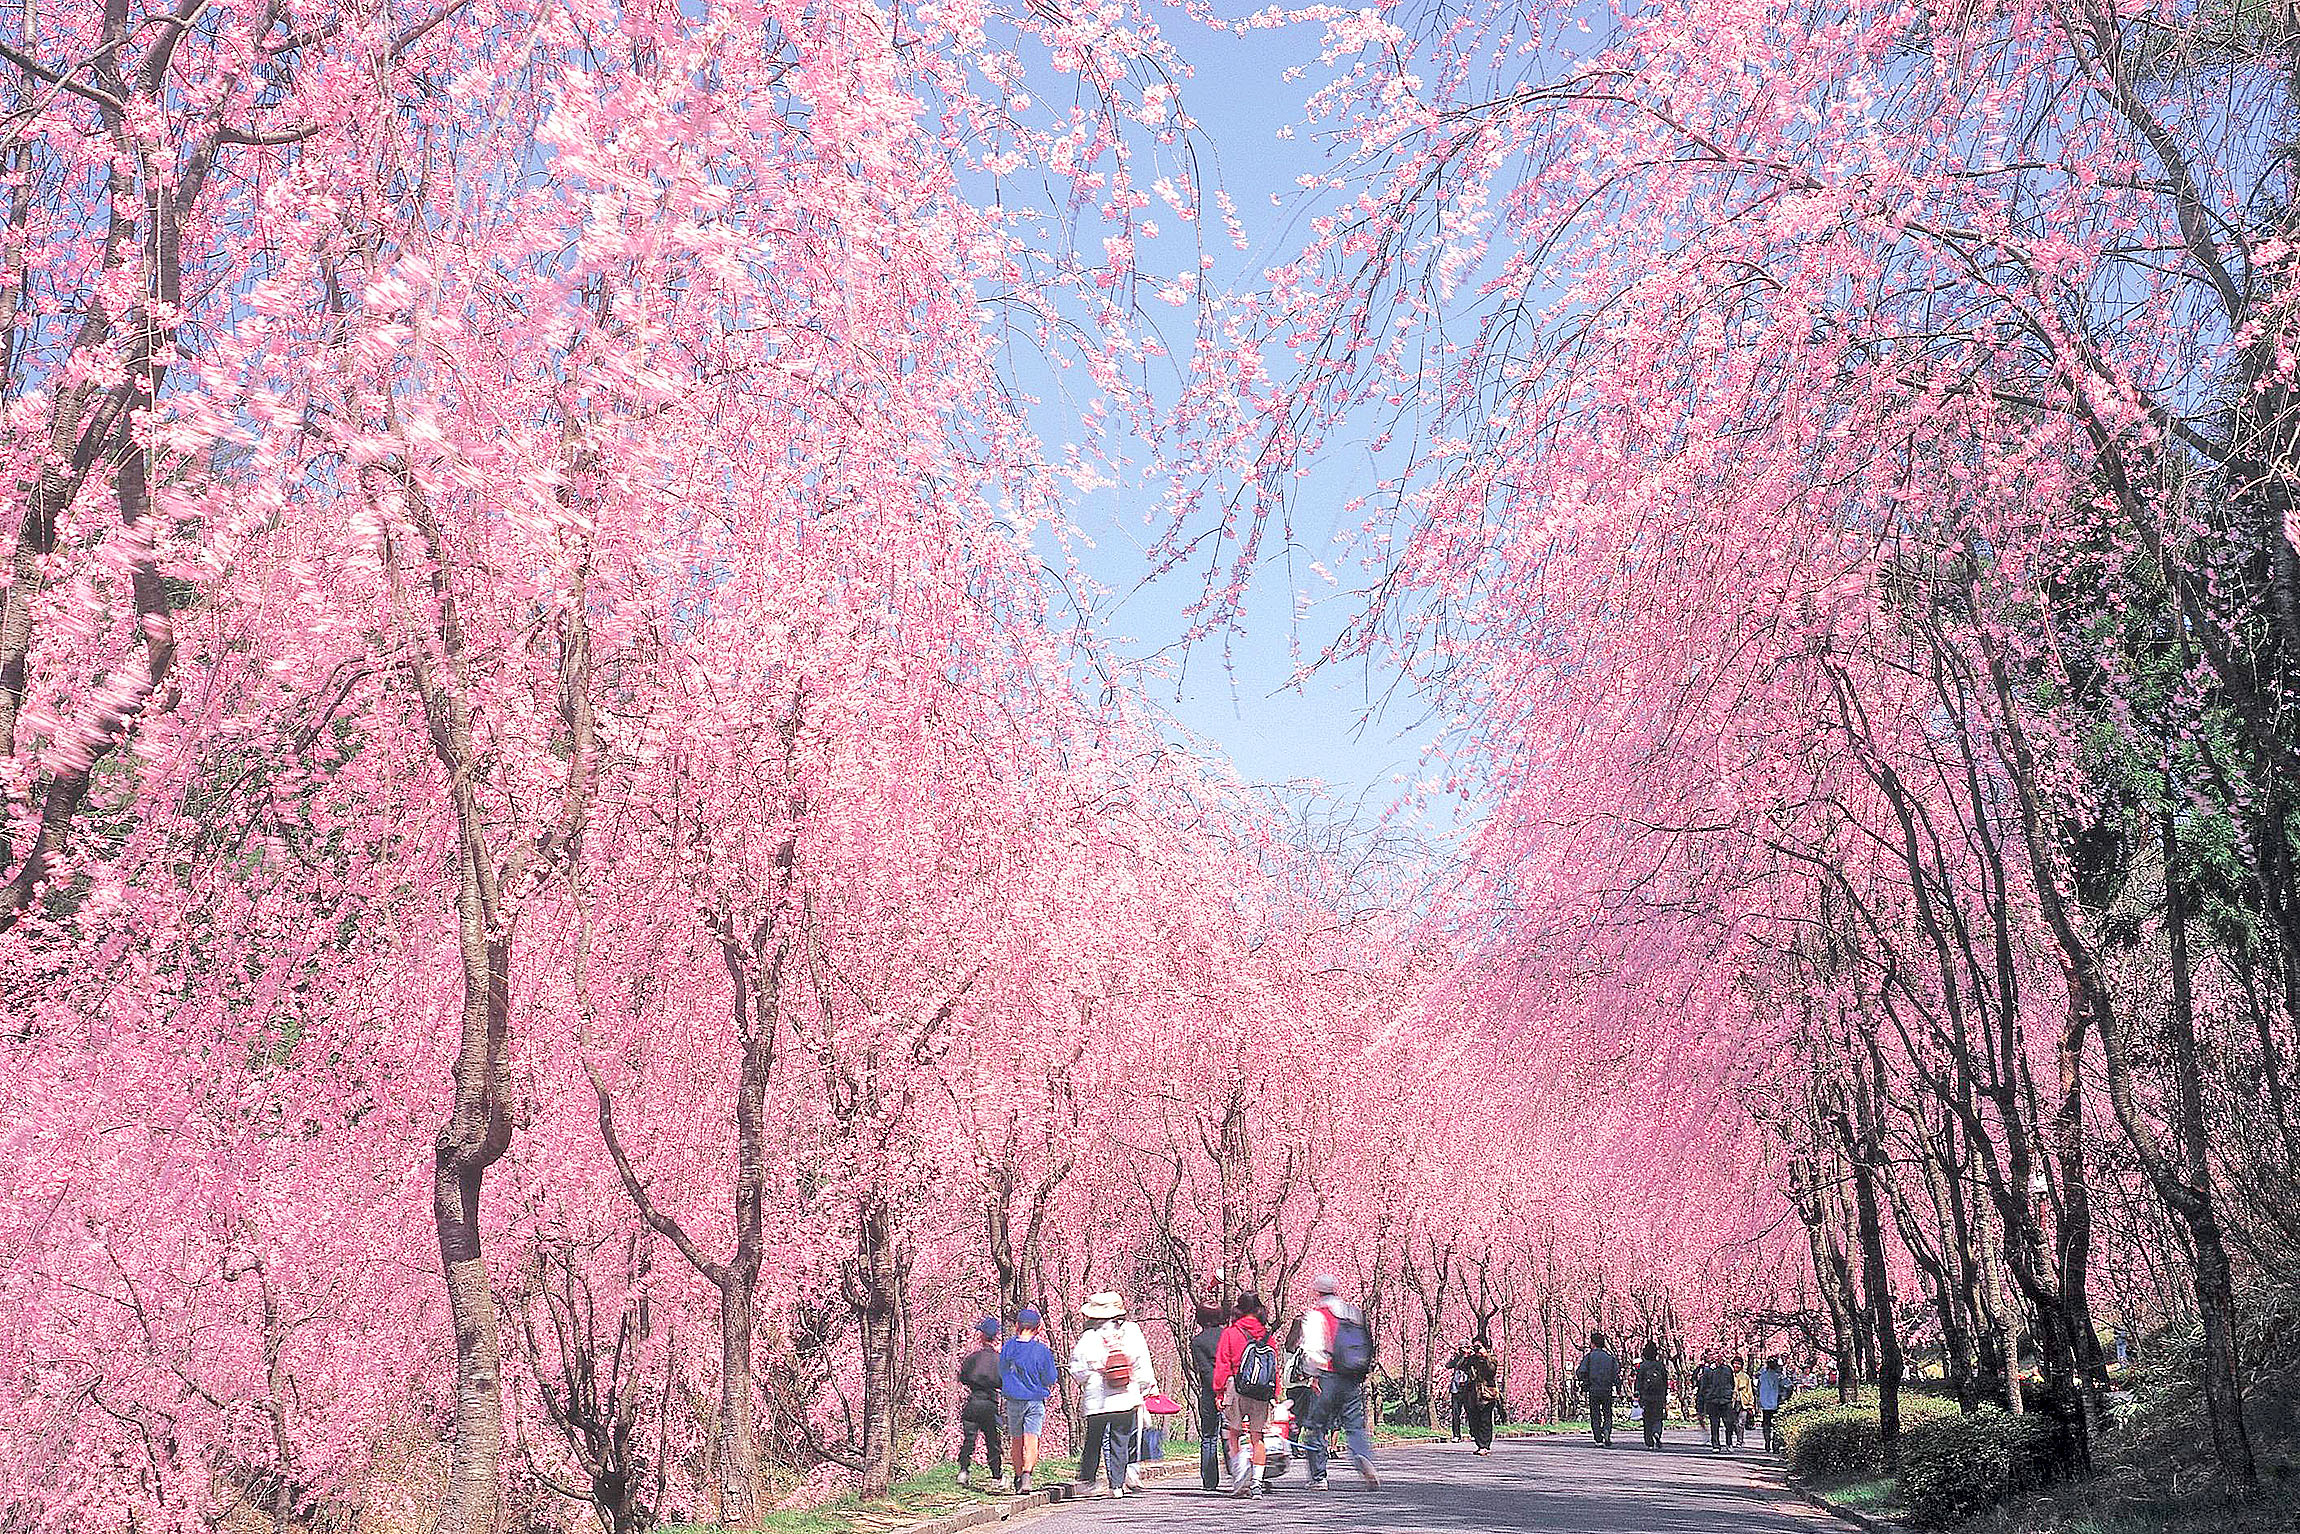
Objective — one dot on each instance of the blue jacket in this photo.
(1771, 1390)
(1030, 1372)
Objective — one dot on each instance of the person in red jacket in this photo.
(1245, 1381)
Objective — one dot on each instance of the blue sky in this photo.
(1234, 690)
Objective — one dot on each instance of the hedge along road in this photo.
(1553, 1484)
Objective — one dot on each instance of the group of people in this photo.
(1241, 1377)
(1732, 1397)
(1728, 1394)
(1242, 1374)
(1009, 1382)
(1007, 1385)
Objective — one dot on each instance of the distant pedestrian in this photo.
(1028, 1375)
(1744, 1404)
(1111, 1360)
(1484, 1369)
(1339, 1353)
(1457, 1395)
(1650, 1380)
(1204, 1343)
(981, 1373)
(1599, 1374)
(1713, 1396)
(1246, 1378)
(1772, 1395)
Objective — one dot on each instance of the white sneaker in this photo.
(1116, 1492)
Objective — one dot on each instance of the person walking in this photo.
(1713, 1395)
(982, 1373)
(1744, 1404)
(1300, 1381)
(1483, 1367)
(1338, 1352)
(1599, 1374)
(1651, 1382)
(1027, 1376)
(1772, 1395)
(1246, 1381)
(1457, 1395)
(1111, 1360)
(1205, 1342)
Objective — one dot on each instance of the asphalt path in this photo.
(1551, 1483)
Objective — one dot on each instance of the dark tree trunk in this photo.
(474, 1138)
(874, 1285)
(1856, 1131)
(2182, 1173)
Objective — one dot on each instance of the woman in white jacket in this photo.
(1111, 1362)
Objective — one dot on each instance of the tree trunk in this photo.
(2182, 1175)
(874, 1291)
(477, 1132)
(1865, 1155)
(738, 1429)
(2215, 1287)
(1829, 1273)
(758, 993)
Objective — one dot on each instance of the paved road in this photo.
(1553, 1485)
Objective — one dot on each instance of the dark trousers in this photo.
(1601, 1418)
(1654, 1409)
(1112, 1435)
(1459, 1408)
(1209, 1439)
(1733, 1426)
(1090, 1447)
(1481, 1423)
(1716, 1416)
(973, 1420)
(1771, 1442)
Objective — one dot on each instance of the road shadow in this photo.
(1551, 1486)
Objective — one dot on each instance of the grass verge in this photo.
(927, 1494)
(1876, 1496)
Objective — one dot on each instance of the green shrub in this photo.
(1826, 1441)
(1808, 1401)
(1953, 1469)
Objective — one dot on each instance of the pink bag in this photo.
(1161, 1406)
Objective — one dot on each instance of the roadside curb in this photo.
(1846, 1514)
(1000, 1509)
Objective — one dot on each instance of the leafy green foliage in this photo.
(1827, 1441)
(1952, 1469)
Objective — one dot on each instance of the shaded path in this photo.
(1555, 1485)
